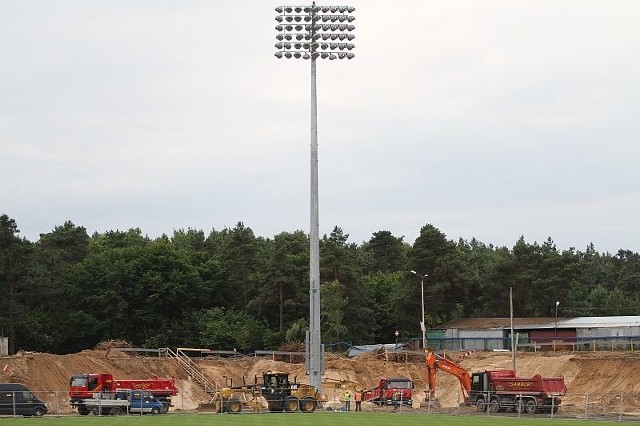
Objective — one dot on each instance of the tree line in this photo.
(229, 288)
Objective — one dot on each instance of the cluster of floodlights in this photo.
(320, 27)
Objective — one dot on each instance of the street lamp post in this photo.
(314, 32)
(397, 333)
(422, 324)
(556, 329)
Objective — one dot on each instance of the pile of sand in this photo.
(597, 373)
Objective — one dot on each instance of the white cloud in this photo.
(492, 119)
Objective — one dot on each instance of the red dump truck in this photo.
(393, 391)
(499, 390)
(92, 385)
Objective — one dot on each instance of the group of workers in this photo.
(347, 400)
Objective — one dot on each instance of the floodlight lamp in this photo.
(297, 55)
(279, 28)
(298, 9)
(288, 55)
(333, 36)
(342, 36)
(350, 55)
(351, 9)
(350, 46)
(289, 27)
(279, 46)
(350, 37)
(307, 18)
(325, 18)
(279, 9)
(351, 18)
(306, 56)
(289, 18)
(307, 9)
(341, 18)
(334, 18)
(299, 37)
(288, 37)
(279, 55)
(325, 9)
(342, 55)
(279, 18)
(298, 46)
(324, 55)
(299, 27)
(332, 57)
(279, 37)
(324, 46)
(315, 55)
(288, 9)
(333, 46)
(342, 27)
(334, 9)
(350, 27)
(325, 36)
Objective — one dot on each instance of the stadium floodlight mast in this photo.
(314, 32)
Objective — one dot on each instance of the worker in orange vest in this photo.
(358, 399)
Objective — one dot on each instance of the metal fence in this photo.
(618, 343)
(624, 406)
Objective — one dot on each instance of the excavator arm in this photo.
(435, 362)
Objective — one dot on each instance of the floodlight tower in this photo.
(314, 32)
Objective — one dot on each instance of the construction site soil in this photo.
(602, 375)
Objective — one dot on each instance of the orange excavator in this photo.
(435, 362)
(498, 390)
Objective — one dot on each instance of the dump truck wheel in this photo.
(308, 405)
(531, 406)
(233, 406)
(115, 411)
(519, 408)
(494, 405)
(83, 410)
(291, 404)
(480, 404)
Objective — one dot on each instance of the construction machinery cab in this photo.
(276, 390)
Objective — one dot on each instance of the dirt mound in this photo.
(604, 373)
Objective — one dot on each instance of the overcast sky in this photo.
(486, 118)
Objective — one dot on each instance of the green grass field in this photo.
(316, 419)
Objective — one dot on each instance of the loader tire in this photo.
(233, 406)
(291, 404)
(308, 405)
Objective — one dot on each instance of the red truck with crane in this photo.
(498, 390)
(391, 391)
(91, 385)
